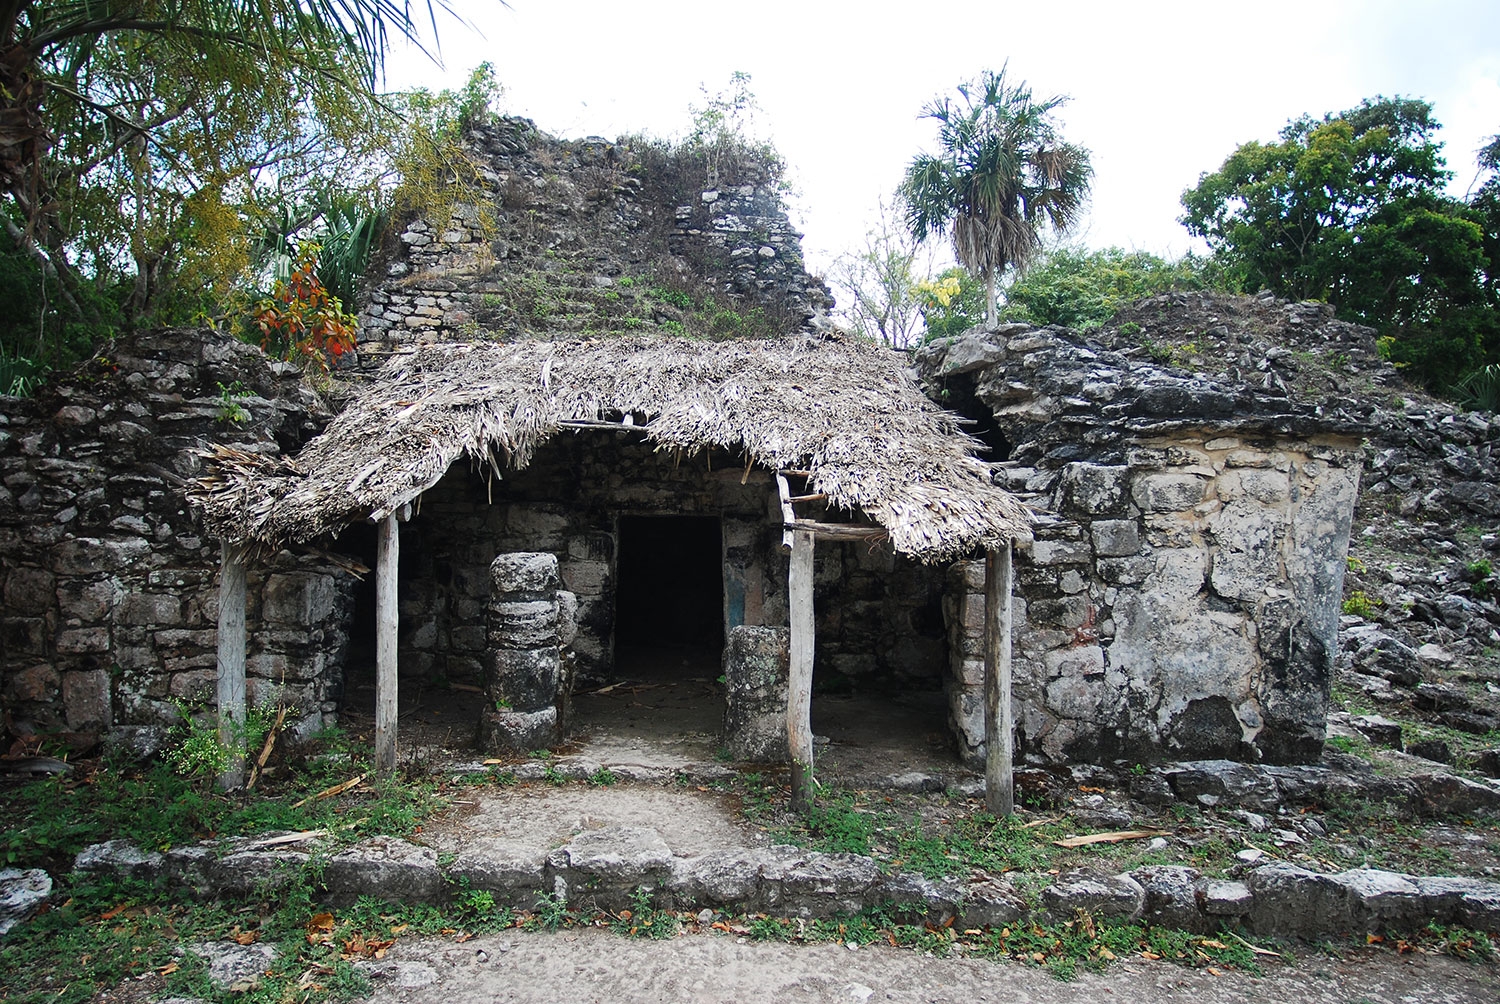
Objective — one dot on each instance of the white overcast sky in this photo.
(1161, 91)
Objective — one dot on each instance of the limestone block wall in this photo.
(1182, 604)
(1181, 597)
(110, 590)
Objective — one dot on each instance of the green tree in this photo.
(46, 44)
(1351, 209)
(1082, 289)
(952, 302)
(143, 142)
(1002, 174)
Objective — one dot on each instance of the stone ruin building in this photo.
(565, 492)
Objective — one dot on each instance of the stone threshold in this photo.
(602, 869)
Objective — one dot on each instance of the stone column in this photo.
(523, 663)
(756, 663)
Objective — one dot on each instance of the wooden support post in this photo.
(387, 557)
(799, 684)
(231, 663)
(788, 514)
(999, 780)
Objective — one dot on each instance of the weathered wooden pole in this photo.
(799, 682)
(231, 663)
(999, 780)
(387, 558)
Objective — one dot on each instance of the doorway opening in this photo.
(669, 642)
(669, 597)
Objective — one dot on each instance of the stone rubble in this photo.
(22, 892)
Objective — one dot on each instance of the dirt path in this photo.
(582, 967)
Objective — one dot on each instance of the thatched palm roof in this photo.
(846, 411)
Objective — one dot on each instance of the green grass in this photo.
(50, 820)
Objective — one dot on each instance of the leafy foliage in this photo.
(1350, 208)
(952, 301)
(143, 144)
(301, 319)
(1082, 289)
(721, 148)
(1002, 174)
(1480, 389)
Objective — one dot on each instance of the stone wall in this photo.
(110, 589)
(1181, 598)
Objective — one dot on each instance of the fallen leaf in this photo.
(1214, 972)
(1211, 943)
(399, 929)
(1149, 955)
(1106, 954)
(1091, 791)
(114, 912)
(168, 969)
(245, 938)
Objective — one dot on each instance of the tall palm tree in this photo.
(1002, 174)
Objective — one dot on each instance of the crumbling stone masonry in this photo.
(575, 235)
(110, 590)
(1181, 598)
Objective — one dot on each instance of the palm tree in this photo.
(1003, 172)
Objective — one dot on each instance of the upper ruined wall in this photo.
(592, 237)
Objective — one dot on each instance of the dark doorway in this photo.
(669, 597)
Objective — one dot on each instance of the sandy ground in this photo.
(580, 967)
(541, 818)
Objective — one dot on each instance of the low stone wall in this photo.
(1181, 598)
(110, 589)
(602, 868)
